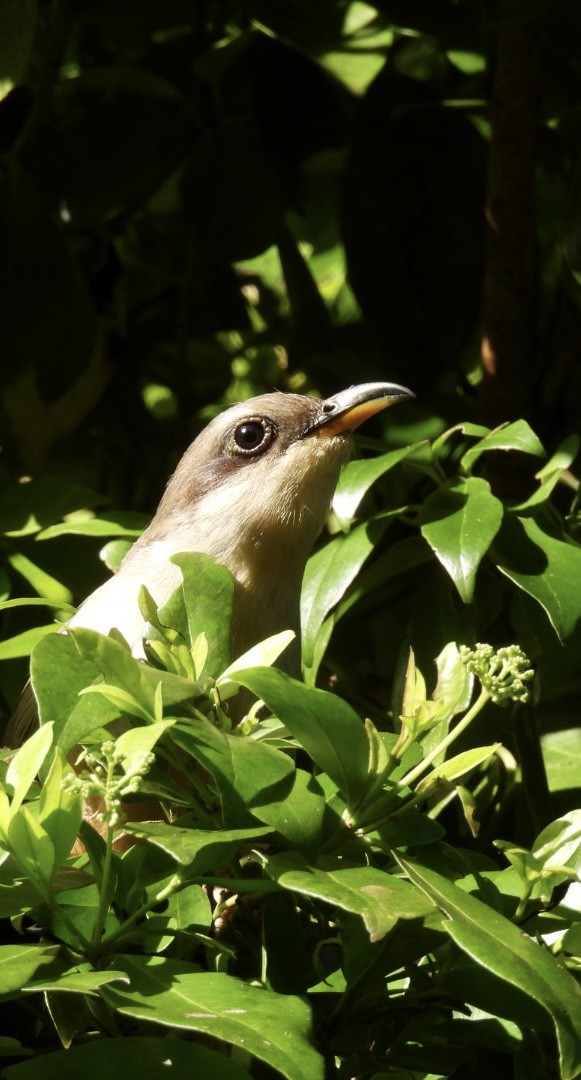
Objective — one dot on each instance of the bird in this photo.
(253, 492)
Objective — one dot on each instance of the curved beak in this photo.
(343, 412)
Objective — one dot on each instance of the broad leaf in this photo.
(33, 849)
(196, 851)
(18, 965)
(547, 569)
(515, 436)
(23, 644)
(299, 816)
(265, 653)
(502, 949)
(379, 898)
(81, 979)
(166, 992)
(58, 673)
(329, 573)
(473, 431)
(60, 809)
(245, 772)
(460, 521)
(147, 1057)
(131, 676)
(328, 729)
(202, 604)
(562, 758)
(26, 764)
(358, 476)
(455, 767)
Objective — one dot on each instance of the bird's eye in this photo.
(252, 436)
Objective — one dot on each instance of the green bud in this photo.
(503, 672)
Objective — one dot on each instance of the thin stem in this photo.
(141, 912)
(104, 898)
(466, 720)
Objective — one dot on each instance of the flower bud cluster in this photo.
(504, 673)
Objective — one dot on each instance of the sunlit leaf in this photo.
(381, 899)
(358, 476)
(500, 947)
(166, 992)
(26, 763)
(460, 521)
(329, 573)
(515, 436)
(325, 726)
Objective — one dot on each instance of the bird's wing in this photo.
(24, 719)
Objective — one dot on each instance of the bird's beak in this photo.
(343, 412)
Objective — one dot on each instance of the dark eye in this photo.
(252, 436)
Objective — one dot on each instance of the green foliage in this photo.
(199, 202)
(345, 843)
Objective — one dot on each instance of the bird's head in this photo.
(262, 474)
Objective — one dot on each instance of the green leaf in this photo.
(121, 669)
(265, 653)
(515, 436)
(454, 768)
(299, 816)
(19, 895)
(460, 521)
(453, 694)
(198, 851)
(119, 524)
(113, 553)
(147, 1057)
(133, 745)
(547, 569)
(329, 573)
(379, 898)
(474, 431)
(503, 950)
(562, 758)
(33, 849)
(81, 979)
(454, 686)
(36, 601)
(19, 965)
(60, 810)
(287, 956)
(358, 476)
(166, 992)
(25, 509)
(213, 587)
(560, 842)
(43, 583)
(58, 673)
(551, 473)
(246, 772)
(23, 644)
(366, 964)
(27, 762)
(328, 729)
(121, 700)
